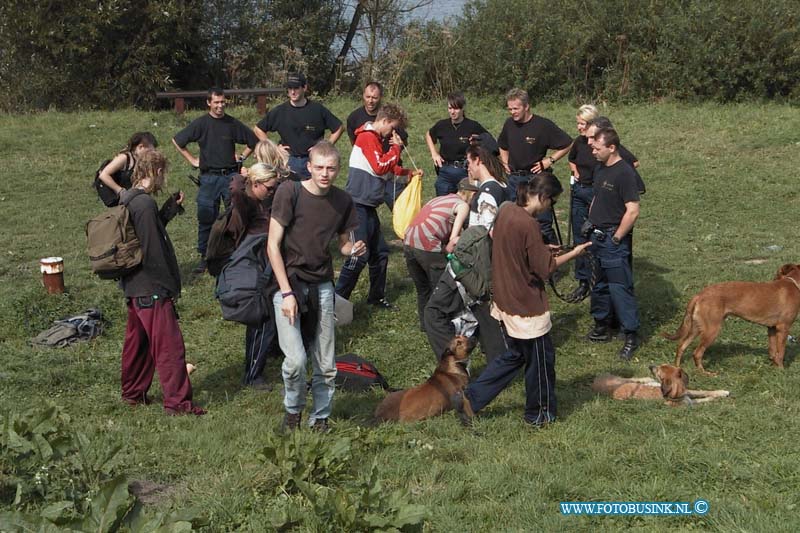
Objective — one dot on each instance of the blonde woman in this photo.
(251, 200)
(153, 339)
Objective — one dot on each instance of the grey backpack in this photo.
(242, 283)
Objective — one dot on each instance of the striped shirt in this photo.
(430, 229)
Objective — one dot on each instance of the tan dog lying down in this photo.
(773, 304)
(432, 397)
(671, 386)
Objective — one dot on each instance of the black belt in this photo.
(220, 171)
(461, 163)
(520, 173)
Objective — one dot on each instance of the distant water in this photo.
(440, 9)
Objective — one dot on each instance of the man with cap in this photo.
(431, 236)
(300, 122)
(217, 134)
(524, 142)
(372, 95)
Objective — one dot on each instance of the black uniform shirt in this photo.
(299, 127)
(527, 143)
(454, 140)
(359, 117)
(581, 155)
(217, 138)
(614, 186)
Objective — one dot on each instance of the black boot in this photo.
(630, 346)
(599, 333)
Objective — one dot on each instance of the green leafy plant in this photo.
(307, 457)
(363, 506)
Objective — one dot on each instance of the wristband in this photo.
(552, 161)
(287, 294)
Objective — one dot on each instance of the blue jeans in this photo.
(545, 219)
(213, 188)
(613, 290)
(391, 191)
(538, 356)
(377, 256)
(447, 179)
(299, 165)
(321, 349)
(582, 197)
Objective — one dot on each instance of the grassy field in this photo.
(720, 205)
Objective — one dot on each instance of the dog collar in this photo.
(793, 281)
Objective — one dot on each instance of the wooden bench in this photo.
(179, 97)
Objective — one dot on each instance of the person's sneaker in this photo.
(630, 346)
(291, 421)
(461, 405)
(599, 333)
(321, 425)
(201, 267)
(383, 303)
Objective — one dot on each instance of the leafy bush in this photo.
(322, 470)
(618, 49)
(62, 480)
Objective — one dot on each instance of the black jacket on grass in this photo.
(159, 274)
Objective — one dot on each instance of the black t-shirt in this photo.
(217, 138)
(527, 143)
(311, 223)
(581, 155)
(359, 117)
(299, 127)
(454, 140)
(614, 186)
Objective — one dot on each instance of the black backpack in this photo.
(121, 177)
(242, 284)
(356, 374)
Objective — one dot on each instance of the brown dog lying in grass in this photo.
(773, 304)
(671, 386)
(432, 398)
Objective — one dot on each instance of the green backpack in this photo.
(471, 261)
(114, 249)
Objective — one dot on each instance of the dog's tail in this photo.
(686, 326)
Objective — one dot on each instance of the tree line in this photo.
(116, 53)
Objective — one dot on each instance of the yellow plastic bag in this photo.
(407, 205)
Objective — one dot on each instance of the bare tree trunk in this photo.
(348, 42)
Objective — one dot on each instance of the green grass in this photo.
(721, 184)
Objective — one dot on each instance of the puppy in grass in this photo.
(431, 398)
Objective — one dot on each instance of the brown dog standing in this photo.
(773, 304)
(432, 397)
(672, 386)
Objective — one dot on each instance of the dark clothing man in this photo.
(453, 139)
(217, 134)
(524, 142)
(613, 214)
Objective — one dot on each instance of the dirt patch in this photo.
(150, 492)
(755, 261)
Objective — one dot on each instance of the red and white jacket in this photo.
(371, 167)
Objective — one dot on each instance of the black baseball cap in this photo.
(295, 80)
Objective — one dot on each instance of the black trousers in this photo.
(425, 269)
(445, 304)
(258, 342)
